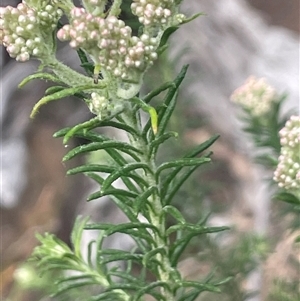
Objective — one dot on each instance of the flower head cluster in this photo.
(153, 12)
(287, 173)
(109, 42)
(256, 96)
(23, 29)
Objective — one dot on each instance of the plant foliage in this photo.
(148, 192)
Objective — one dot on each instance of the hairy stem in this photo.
(155, 212)
(69, 76)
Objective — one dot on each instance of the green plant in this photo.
(115, 62)
(277, 136)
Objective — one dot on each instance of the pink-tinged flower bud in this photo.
(74, 44)
(61, 35)
(23, 57)
(94, 34)
(122, 50)
(13, 50)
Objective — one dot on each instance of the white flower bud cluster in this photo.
(98, 103)
(103, 107)
(22, 29)
(256, 96)
(153, 12)
(287, 173)
(109, 42)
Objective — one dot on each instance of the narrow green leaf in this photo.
(54, 89)
(149, 289)
(139, 229)
(112, 255)
(125, 171)
(44, 76)
(82, 56)
(202, 147)
(121, 161)
(96, 177)
(287, 197)
(157, 91)
(198, 230)
(91, 168)
(161, 139)
(120, 227)
(77, 234)
(87, 66)
(100, 268)
(149, 256)
(89, 69)
(126, 180)
(164, 118)
(177, 184)
(46, 267)
(109, 296)
(137, 235)
(62, 132)
(72, 279)
(123, 286)
(110, 144)
(178, 248)
(115, 192)
(192, 18)
(96, 123)
(165, 37)
(126, 210)
(170, 102)
(142, 200)
(119, 125)
(191, 154)
(181, 243)
(90, 253)
(191, 295)
(125, 276)
(181, 163)
(77, 284)
(85, 133)
(85, 126)
(57, 95)
(175, 213)
(201, 286)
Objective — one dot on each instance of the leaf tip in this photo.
(34, 112)
(65, 158)
(66, 139)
